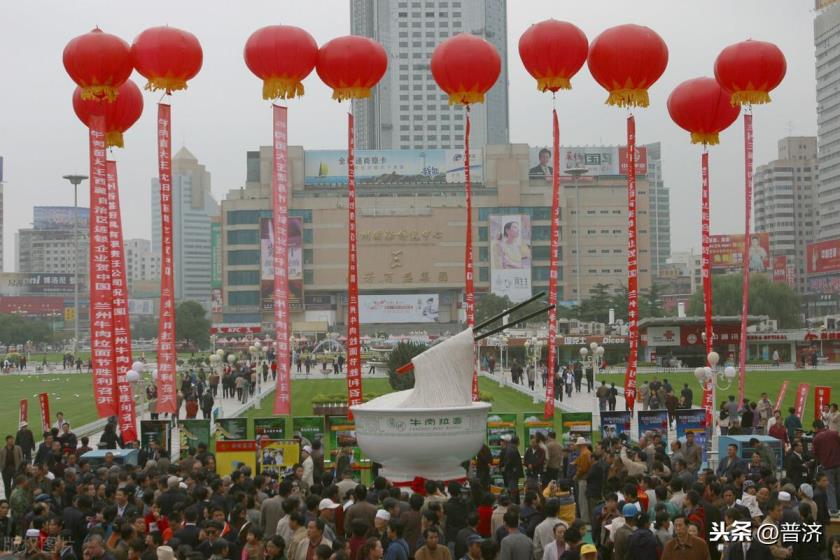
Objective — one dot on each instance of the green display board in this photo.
(500, 424)
(535, 423)
(272, 427)
(231, 429)
(309, 428)
(576, 424)
(155, 430)
(343, 434)
(193, 432)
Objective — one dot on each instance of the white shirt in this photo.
(551, 552)
(308, 471)
(543, 536)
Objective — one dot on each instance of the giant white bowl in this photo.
(427, 442)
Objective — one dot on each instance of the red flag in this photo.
(707, 280)
(745, 298)
(781, 396)
(101, 308)
(822, 396)
(280, 186)
(24, 411)
(632, 269)
(44, 401)
(166, 351)
(354, 355)
(801, 397)
(122, 324)
(552, 274)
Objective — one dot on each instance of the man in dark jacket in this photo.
(73, 519)
(26, 440)
(455, 511)
(512, 468)
(534, 459)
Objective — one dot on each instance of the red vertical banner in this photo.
(781, 396)
(354, 356)
(707, 278)
(101, 308)
(280, 187)
(801, 397)
(166, 353)
(745, 297)
(44, 401)
(469, 288)
(552, 274)
(822, 397)
(23, 416)
(126, 416)
(632, 269)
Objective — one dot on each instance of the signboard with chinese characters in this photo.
(231, 428)
(230, 455)
(728, 252)
(271, 427)
(510, 256)
(823, 257)
(534, 424)
(343, 435)
(615, 422)
(22, 284)
(60, 217)
(656, 422)
(398, 308)
(276, 455)
(576, 424)
(389, 167)
(309, 428)
(193, 432)
(603, 160)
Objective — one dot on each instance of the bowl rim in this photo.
(476, 406)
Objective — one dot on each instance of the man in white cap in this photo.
(326, 512)
(790, 513)
(308, 466)
(806, 496)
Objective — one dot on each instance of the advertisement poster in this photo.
(387, 167)
(342, 434)
(662, 336)
(273, 427)
(510, 256)
(193, 432)
(309, 428)
(728, 252)
(604, 160)
(229, 429)
(44, 401)
(823, 257)
(295, 241)
(692, 420)
(575, 425)
(534, 423)
(398, 308)
(59, 217)
(615, 422)
(230, 455)
(277, 455)
(155, 430)
(499, 425)
(655, 421)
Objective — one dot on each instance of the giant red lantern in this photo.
(99, 63)
(465, 67)
(167, 57)
(282, 56)
(552, 52)
(119, 115)
(351, 66)
(702, 107)
(626, 60)
(750, 70)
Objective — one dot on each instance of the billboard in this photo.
(141, 307)
(824, 285)
(823, 257)
(22, 283)
(398, 308)
(33, 306)
(216, 255)
(389, 167)
(728, 251)
(295, 244)
(603, 160)
(663, 336)
(59, 217)
(510, 256)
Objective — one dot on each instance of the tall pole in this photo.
(75, 180)
(576, 173)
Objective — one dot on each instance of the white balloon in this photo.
(132, 376)
(154, 375)
(231, 359)
(138, 366)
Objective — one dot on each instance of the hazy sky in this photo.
(222, 114)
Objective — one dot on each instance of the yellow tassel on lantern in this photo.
(281, 88)
(114, 138)
(750, 97)
(466, 98)
(707, 138)
(553, 83)
(628, 98)
(342, 93)
(99, 93)
(166, 83)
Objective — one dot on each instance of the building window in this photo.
(541, 252)
(483, 234)
(307, 235)
(483, 253)
(244, 298)
(308, 277)
(240, 217)
(308, 256)
(483, 274)
(243, 277)
(243, 237)
(235, 258)
(540, 233)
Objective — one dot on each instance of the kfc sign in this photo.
(235, 329)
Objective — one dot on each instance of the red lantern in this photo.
(351, 65)
(702, 107)
(167, 57)
(282, 56)
(99, 63)
(119, 115)
(466, 67)
(626, 60)
(552, 52)
(750, 70)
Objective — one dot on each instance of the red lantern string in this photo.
(745, 298)
(632, 268)
(707, 277)
(552, 274)
(468, 250)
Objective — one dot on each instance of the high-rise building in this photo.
(660, 210)
(142, 262)
(785, 200)
(192, 206)
(51, 245)
(827, 43)
(407, 108)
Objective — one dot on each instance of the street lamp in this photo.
(716, 380)
(576, 173)
(75, 180)
(133, 376)
(599, 353)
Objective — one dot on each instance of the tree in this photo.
(597, 306)
(191, 325)
(490, 305)
(15, 329)
(774, 299)
(400, 356)
(144, 328)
